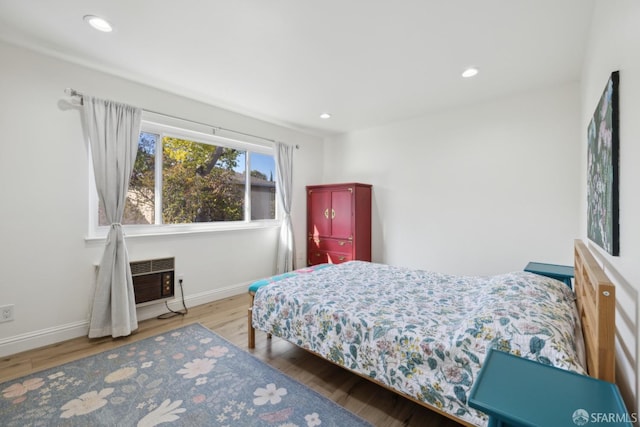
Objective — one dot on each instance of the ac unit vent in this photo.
(152, 266)
(162, 264)
(140, 267)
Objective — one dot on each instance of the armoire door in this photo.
(341, 212)
(319, 213)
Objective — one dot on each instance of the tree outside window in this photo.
(197, 182)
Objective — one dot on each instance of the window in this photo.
(263, 189)
(187, 180)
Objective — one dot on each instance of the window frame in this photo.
(166, 126)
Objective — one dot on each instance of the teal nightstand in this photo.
(518, 392)
(563, 273)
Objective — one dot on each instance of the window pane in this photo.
(199, 183)
(263, 186)
(139, 206)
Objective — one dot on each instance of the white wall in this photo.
(614, 44)
(46, 263)
(477, 190)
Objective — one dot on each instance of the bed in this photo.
(424, 335)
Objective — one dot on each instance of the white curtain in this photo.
(113, 130)
(284, 166)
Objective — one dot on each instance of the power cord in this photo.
(173, 313)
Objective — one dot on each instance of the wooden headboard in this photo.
(596, 297)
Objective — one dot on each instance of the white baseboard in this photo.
(55, 334)
(35, 339)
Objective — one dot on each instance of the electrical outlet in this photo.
(180, 277)
(6, 313)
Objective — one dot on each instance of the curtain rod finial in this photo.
(72, 92)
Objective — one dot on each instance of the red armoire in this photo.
(338, 223)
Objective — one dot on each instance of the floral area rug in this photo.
(185, 377)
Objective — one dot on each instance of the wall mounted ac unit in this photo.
(153, 279)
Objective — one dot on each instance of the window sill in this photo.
(132, 232)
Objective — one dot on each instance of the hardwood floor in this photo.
(228, 318)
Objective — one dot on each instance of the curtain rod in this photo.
(72, 92)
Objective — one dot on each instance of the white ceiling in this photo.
(367, 62)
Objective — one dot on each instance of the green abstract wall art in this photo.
(602, 170)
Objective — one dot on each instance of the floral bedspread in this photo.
(421, 333)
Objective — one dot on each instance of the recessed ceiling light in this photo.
(469, 72)
(98, 23)
(325, 115)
